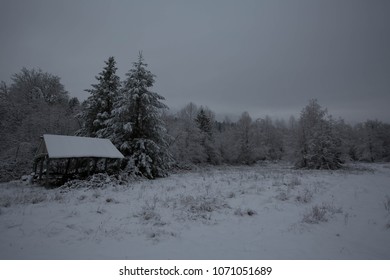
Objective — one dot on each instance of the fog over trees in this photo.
(153, 139)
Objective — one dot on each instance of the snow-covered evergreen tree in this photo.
(99, 105)
(318, 146)
(139, 128)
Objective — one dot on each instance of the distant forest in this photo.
(154, 140)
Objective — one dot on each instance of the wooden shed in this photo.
(72, 151)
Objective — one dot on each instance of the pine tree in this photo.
(99, 105)
(204, 121)
(140, 128)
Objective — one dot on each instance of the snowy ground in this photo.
(260, 212)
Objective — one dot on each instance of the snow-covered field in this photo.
(261, 212)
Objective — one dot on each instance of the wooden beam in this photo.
(67, 169)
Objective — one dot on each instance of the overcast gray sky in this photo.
(264, 57)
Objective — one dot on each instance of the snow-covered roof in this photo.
(61, 146)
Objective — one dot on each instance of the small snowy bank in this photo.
(259, 212)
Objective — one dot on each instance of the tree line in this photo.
(154, 140)
(34, 103)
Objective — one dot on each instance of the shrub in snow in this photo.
(156, 234)
(316, 215)
(149, 214)
(304, 196)
(110, 200)
(231, 195)
(244, 212)
(320, 213)
(5, 201)
(294, 181)
(82, 197)
(283, 195)
(200, 206)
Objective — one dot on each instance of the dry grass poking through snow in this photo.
(321, 213)
(263, 211)
(386, 203)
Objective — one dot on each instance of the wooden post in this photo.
(77, 166)
(47, 171)
(67, 169)
(105, 165)
(89, 168)
(95, 160)
(35, 166)
(17, 152)
(41, 168)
